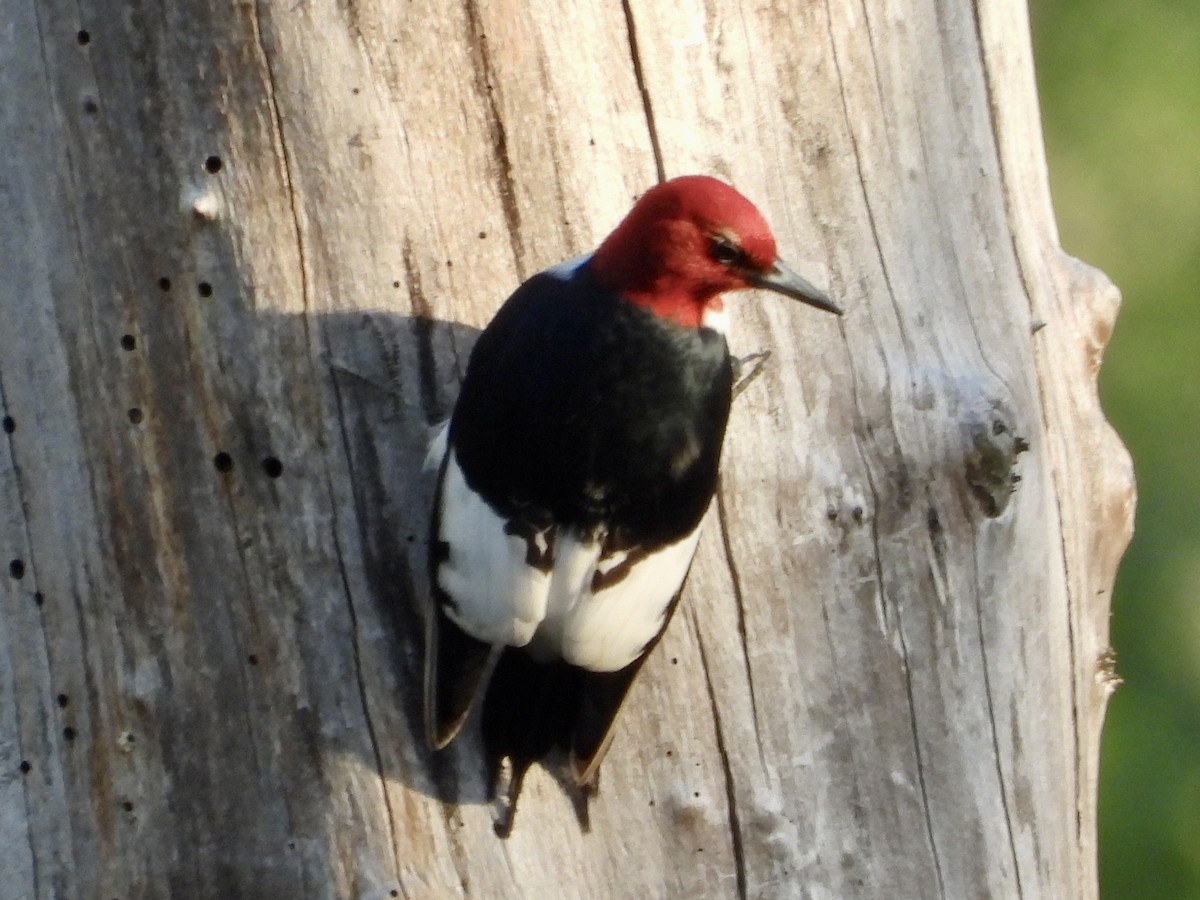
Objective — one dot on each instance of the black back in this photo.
(580, 409)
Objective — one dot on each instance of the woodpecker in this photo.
(572, 476)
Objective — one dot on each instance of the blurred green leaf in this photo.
(1120, 93)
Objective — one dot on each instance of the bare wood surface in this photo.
(245, 248)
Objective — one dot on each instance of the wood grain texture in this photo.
(888, 676)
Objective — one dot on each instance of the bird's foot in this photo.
(747, 368)
(506, 787)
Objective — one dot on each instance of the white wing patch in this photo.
(496, 597)
(607, 629)
(595, 612)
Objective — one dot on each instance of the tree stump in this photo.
(246, 247)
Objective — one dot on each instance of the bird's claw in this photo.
(747, 368)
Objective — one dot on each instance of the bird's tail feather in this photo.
(529, 709)
(600, 699)
(455, 663)
(534, 709)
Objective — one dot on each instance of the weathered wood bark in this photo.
(888, 677)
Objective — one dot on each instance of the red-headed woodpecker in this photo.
(572, 477)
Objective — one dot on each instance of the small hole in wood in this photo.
(39, 598)
(223, 461)
(204, 289)
(62, 700)
(127, 806)
(164, 284)
(272, 466)
(212, 165)
(252, 659)
(90, 106)
(25, 766)
(135, 416)
(16, 568)
(395, 284)
(128, 342)
(83, 37)
(9, 424)
(69, 733)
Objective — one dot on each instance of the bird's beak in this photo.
(782, 280)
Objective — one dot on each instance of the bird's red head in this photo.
(687, 241)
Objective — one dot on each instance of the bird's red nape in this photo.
(683, 244)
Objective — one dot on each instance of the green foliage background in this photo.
(1120, 94)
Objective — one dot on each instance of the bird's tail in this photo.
(533, 710)
(528, 711)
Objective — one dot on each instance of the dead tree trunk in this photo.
(244, 249)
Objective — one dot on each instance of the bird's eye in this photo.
(725, 251)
